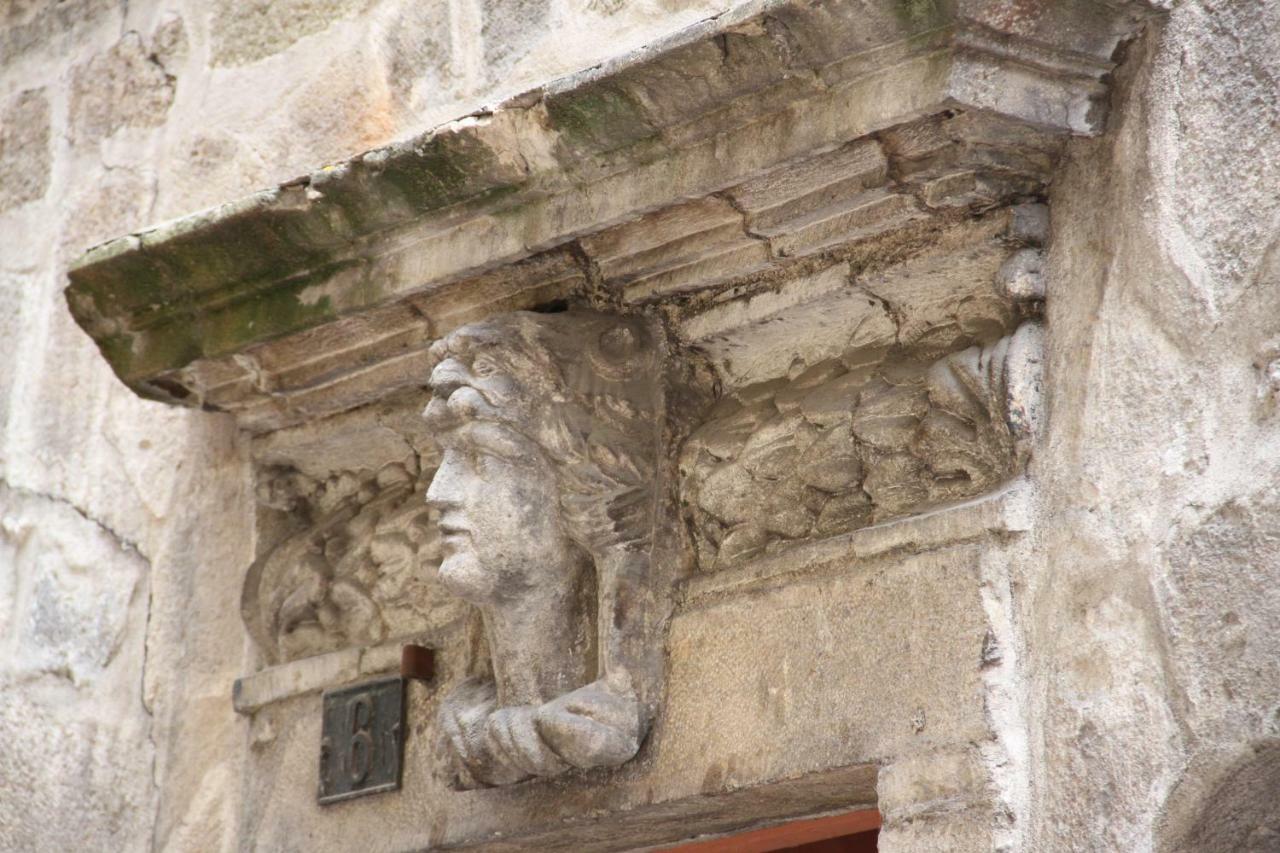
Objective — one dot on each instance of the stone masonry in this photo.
(927, 352)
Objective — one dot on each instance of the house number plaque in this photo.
(361, 740)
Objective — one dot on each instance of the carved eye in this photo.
(484, 367)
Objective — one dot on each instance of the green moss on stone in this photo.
(445, 170)
(600, 118)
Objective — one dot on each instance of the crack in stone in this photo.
(125, 542)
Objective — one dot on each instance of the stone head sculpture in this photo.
(547, 493)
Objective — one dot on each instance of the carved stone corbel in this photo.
(554, 434)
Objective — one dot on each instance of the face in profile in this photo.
(496, 494)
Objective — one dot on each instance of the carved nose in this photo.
(440, 494)
(435, 496)
(448, 376)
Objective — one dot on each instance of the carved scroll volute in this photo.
(554, 433)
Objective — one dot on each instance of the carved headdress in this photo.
(581, 386)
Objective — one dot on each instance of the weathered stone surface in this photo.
(553, 522)
(33, 27)
(421, 58)
(26, 158)
(1221, 596)
(1148, 488)
(689, 246)
(717, 107)
(246, 32)
(886, 438)
(123, 195)
(360, 573)
(509, 28)
(741, 719)
(1162, 452)
(125, 86)
(73, 626)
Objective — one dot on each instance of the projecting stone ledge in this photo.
(356, 268)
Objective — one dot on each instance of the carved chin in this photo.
(462, 575)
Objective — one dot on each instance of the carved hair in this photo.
(580, 386)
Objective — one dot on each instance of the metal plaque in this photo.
(361, 740)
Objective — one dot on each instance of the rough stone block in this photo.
(896, 643)
(25, 156)
(244, 32)
(124, 86)
(77, 760)
(509, 29)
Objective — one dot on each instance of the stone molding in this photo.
(325, 292)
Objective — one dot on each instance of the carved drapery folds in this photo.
(550, 485)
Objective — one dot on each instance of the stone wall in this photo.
(1144, 614)
(122, 522)
(1152, 618)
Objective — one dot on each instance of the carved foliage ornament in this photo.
(842, 446)
(356, 571)
(551, 427)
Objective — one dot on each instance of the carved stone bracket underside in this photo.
(785, 280)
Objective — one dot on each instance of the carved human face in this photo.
(496, 494)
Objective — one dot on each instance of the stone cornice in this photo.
(338, 280)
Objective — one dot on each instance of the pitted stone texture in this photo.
(1148, 608)
(26, 158)
(244, 32)
(1223, 600)
(1213, 174)
(125, 86)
